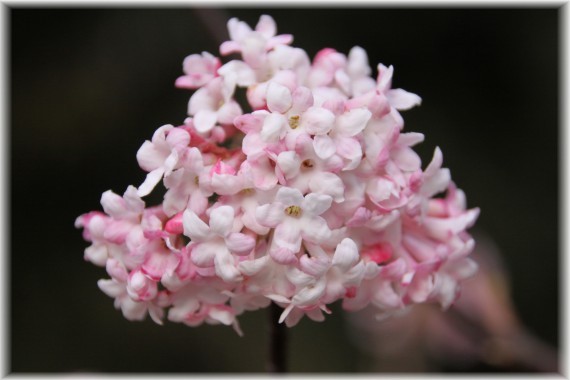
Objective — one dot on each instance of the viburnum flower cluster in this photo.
(312, 195)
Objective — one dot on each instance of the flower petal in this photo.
(316, 204)
(346, 254)
(324, 146)
(289, 163)
(194, 227)
(226, 267)
(203, 254)
(287, 236)
(403, 100)
(279, 98)
(288, 196)
(327, 183)
(204, 120)
(150, 182)
(240, 244)
(317, 120)
(222, 220)
(270, 215)
(353, 122)
(316, 230)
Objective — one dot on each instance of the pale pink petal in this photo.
(279, 98)
(203, 254)
(150, 182)
(289, 197)
(226, 267)
(178, 138)
(266, 26)
(253, 51)
(380, 189)
(316, 230)
(287, 236)
(403, 100)
(222, 315)
(244, 75)
(406, 159)
(252, 267)
(353, 122)
(410, 138)
(113, 204)
(97, 254)
(324, 146)
(310, 295)
(283, 256)
(273, 127)
(421, 287)
(117, 270)
(444, 228)
(346, 254)
(133, 310)
(316, 204)
(205, 120)
(229, 47)
(118, 231)
(282, 39)
(302, 100)
(314, 266)
(317, 120)
(349, 148)
(357, 65)
(250, 122)
(140, 287)
(228, 112)
(133, 202)
(298, 277)
(240, 244)
(198, 202)
(157, 264)
(264, 177)
(289, 163)
(194, 227)
(384, 77)
(225, 184)
(151, 155)
(112, 288)
(270, 215)
(328, 184)
(222, 220)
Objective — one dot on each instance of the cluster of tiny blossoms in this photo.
(312, 197)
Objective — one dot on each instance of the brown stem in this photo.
(277, 341)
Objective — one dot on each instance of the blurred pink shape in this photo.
(481, 327)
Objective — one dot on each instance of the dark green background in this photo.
(88, 86)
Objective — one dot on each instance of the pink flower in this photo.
(310, 194)
(295, 218)
(199, 70)
(216, 244)
(208, 106)
(253, 44)
(160, 157)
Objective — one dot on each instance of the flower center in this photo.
(308, 164)
(248, 191)
(197, 180)
(294, 121)
(293, 211)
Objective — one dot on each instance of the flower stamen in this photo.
(294, 121)
(293, 211)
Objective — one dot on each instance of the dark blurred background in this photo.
(88, 86)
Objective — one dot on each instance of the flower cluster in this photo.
(312, 196)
